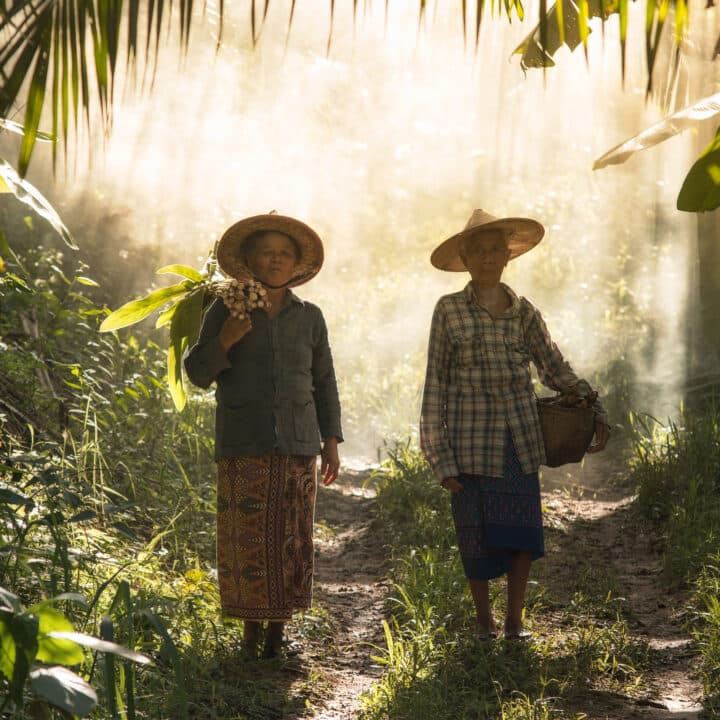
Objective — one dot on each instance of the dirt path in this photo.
(350, 583)
(594, 525)
(590, 524)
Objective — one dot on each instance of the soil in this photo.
(590, 522)
(350, 582)
(596, 525)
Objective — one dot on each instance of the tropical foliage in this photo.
(67, 54)
(676, 468)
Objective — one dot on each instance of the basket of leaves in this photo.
(568, 426)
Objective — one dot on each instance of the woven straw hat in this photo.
(230, 250)
(523, 234)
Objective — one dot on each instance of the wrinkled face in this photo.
(274, 259)
(486, 255)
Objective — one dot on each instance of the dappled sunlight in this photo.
(385, 145)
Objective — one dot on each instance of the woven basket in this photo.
(567, 431)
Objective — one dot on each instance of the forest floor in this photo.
(592, 529)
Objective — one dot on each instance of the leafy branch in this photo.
(184, 304)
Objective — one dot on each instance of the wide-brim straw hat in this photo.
(231, 255)
(523, 234)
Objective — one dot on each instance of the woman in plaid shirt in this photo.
(479, 428)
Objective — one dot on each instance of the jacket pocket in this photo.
(305, 422)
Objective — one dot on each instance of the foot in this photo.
(515, 632)
(273, 640)
(485, 631)
(251, 633)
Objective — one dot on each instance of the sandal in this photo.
(483, 634)
(519, 636)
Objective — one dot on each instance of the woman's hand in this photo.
(602, 435)
(234, 329)
(452, 484)
(330, 460)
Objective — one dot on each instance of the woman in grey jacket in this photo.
(276, 400)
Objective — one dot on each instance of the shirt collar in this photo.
(514, 308)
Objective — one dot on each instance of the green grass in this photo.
(677, 472)
(433, 667)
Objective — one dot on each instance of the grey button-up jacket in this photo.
(276, 387)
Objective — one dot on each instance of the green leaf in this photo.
(18, 129)
(112, 696)
(183, 270)
(83, 515)
(689, 117)
(180, 694)
(166, 316)
(561, 25)
(31, 196)
(24, 629)
(36, 90)
(125, 530)
(184, 330)
(7, 647)
(700, 191)
(86, 281)
(102, 646)
(70, 597)
(63, 689)
(12, 497)
(52, 650)
(137, 310)
(9, 602)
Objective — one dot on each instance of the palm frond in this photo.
(53, 51)
(26, 193)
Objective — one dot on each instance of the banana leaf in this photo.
(668, 127)
(701, 190)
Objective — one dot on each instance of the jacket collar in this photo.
(290, 296)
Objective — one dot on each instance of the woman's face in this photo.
(486, 255)
(274, 260)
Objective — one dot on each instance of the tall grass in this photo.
(433, 666)
(677, 471)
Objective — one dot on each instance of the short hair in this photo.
(251, 242)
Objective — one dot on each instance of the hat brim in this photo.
(523, 235)
(231, 255)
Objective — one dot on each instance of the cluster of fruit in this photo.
(241, 296)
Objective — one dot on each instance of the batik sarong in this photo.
(265, 510)
(498, 517)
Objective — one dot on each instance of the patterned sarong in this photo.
(497, 517)
(265, 511)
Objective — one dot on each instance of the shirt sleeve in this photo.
(207, 359)
(433, 418)
(327, 400)
(554, 371)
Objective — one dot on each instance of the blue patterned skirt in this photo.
(498, 517)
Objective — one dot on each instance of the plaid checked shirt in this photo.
(478, 384)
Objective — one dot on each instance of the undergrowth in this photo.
(433, 666)
(676, 469)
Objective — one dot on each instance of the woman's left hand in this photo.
(602, 435)
(330, 461)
